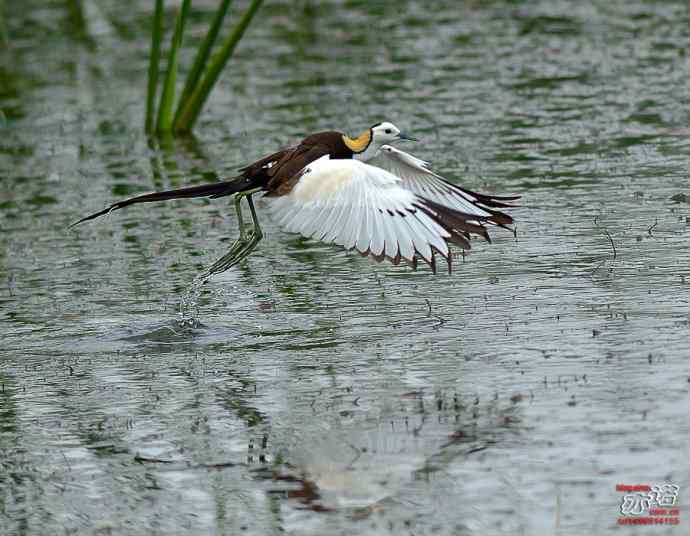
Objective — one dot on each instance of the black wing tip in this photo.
(505, 197)
(498, 201)
(502, 204)
(94, 215)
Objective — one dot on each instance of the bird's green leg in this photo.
(240, 219)
(247, 241)
(258, 233)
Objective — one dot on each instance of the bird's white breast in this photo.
(324, 178)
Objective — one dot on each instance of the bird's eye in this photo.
(388, 131)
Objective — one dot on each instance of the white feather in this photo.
(365, 228)
(390, 238)
(317, 225)
(404, 237)
(334, 225)
(377, 232)
(417, 177)
(420, 237)
(360, 206)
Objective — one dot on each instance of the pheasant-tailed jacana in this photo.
(359, 193)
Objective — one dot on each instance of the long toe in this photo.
(231, 258)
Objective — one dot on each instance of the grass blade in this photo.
(193, 105)
(202, 58)
(3, 31)
(154, 60)
(165, 110)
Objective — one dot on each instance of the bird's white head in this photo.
(370, 141)
(382, 133)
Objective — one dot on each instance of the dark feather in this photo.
(458, 224)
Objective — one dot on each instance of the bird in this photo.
(360, 193)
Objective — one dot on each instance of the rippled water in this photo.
(316, 392)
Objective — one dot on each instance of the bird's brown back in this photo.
(279, 172)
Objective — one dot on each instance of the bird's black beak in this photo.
(403, 136)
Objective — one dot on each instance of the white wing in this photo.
(418, 178)
(366, 208)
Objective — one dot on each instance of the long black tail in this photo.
(218, 189)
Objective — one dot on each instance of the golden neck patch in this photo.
(360, 143)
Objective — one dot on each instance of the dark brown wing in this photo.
(284, 172)
(287, 172)
(278, 172)
(264, 164)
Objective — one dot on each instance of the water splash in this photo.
(188, 316)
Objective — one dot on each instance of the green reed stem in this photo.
(3, 30)
(201, 59)
(191, 108)
(165, 110)
(154, 60)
